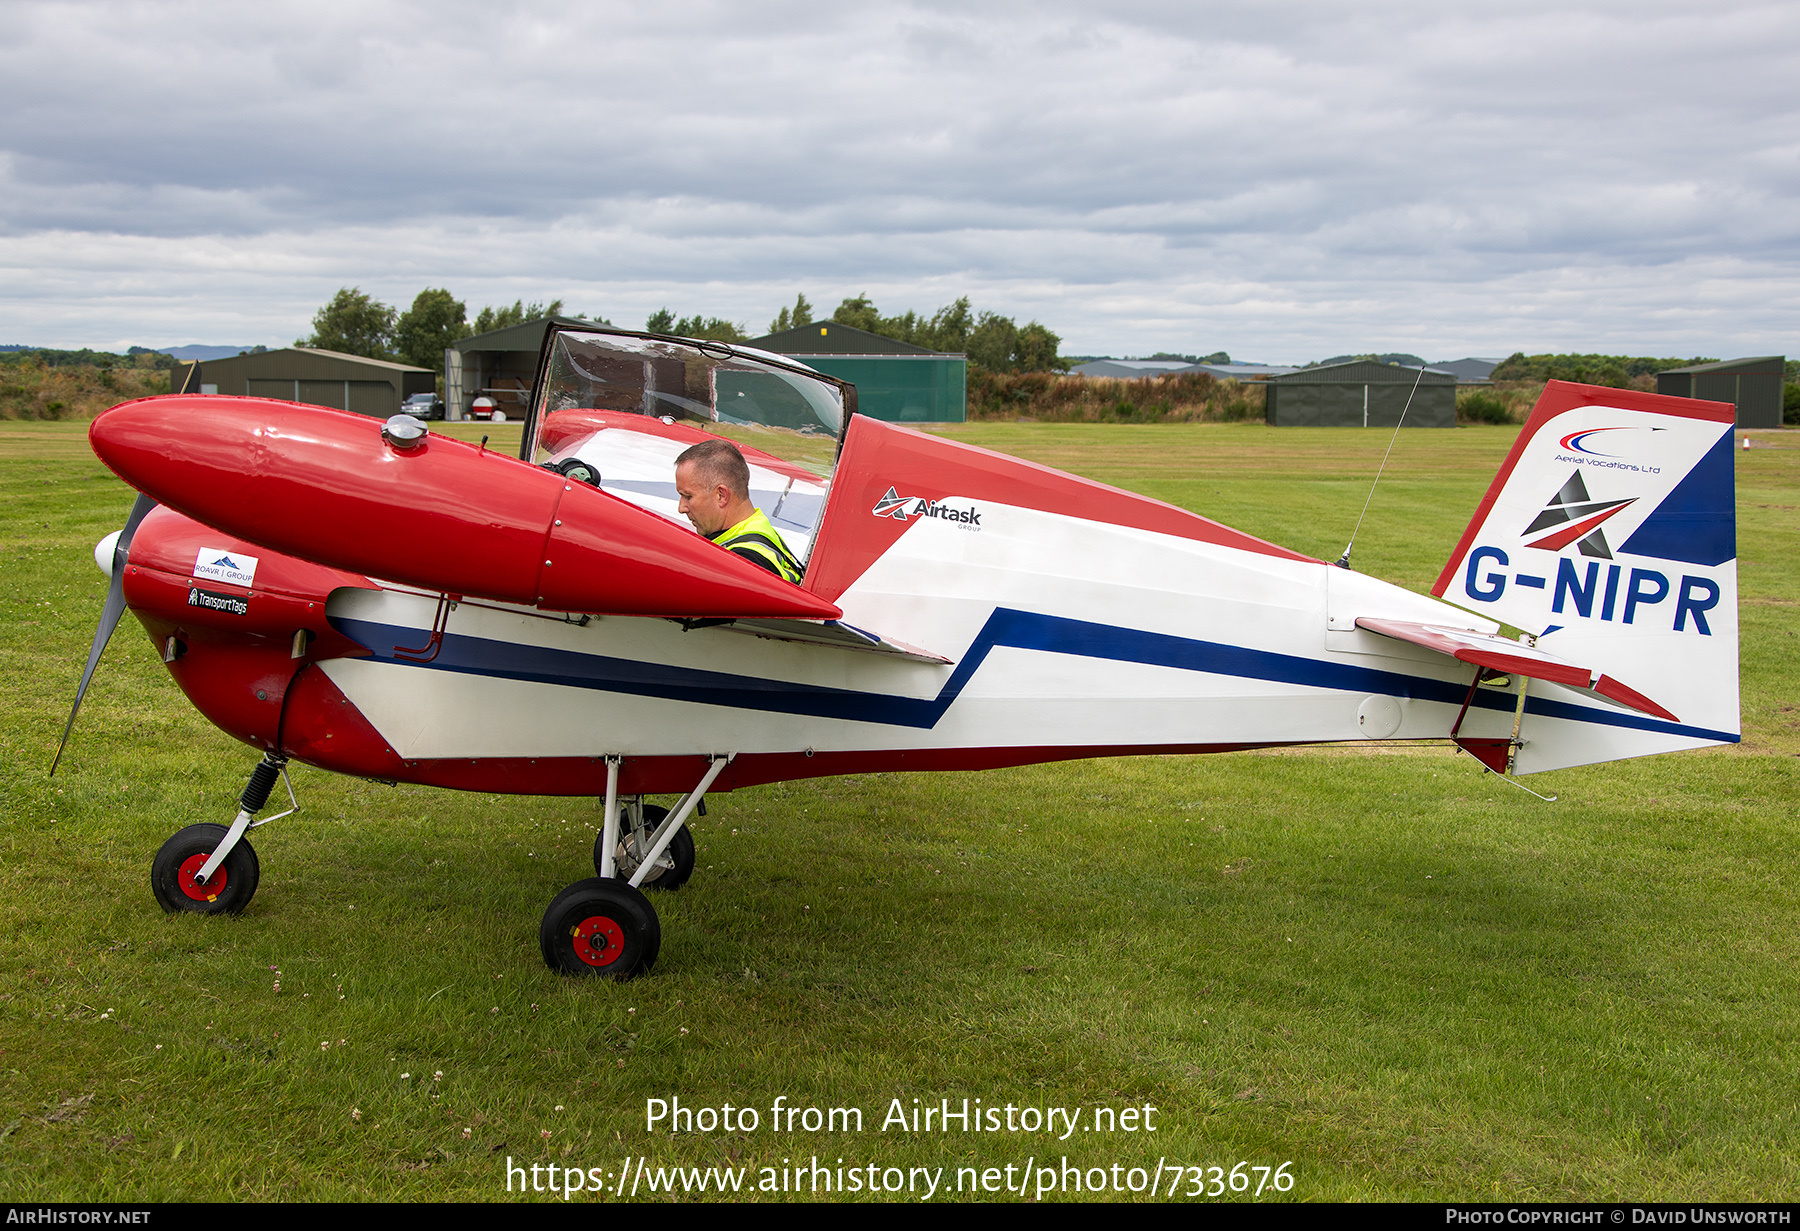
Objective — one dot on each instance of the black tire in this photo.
(675, 866)
(601, 929)
(172, 873)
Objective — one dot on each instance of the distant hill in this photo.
(1404, 360)
(1467, 370)
(202, 353)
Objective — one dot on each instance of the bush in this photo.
(1184, 398)
(31, 388)
(1790, 404)
(1481, 406)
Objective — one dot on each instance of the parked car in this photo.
(423, 406)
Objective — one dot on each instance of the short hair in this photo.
(719, 462)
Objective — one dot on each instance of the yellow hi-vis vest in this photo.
(757, 541)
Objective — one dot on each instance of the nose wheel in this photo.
(175, 871)
(600, 929)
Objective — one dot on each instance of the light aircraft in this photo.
(381, 601)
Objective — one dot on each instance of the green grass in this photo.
(1409, 979)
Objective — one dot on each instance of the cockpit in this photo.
(615, 409)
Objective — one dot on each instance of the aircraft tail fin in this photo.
(1610, 533)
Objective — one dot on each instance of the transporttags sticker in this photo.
(220, 564)
(212, 600)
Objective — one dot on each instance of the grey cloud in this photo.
(1137, 174)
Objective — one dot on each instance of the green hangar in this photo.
(1752, 385)
(894, 380)
(1361, 394)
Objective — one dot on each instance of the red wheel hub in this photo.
(598, 940)
(210, 891)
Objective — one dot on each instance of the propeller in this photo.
(110, 614)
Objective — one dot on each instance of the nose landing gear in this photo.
(211, 870)
(226, 892)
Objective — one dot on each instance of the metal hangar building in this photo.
(894, 380)
(1751, 385)
(371, 387)
(1361, 394)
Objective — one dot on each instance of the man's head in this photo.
(713, 482)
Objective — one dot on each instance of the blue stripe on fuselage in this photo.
(1007, 627)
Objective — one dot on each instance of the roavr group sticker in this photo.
(220, 564)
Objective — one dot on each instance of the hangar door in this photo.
(1360, 405)
(365, 397)
(1756, 395)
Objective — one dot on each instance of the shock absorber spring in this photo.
(262, 781)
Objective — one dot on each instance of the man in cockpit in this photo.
(713, 481)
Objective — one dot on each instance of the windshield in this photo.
(616, 410)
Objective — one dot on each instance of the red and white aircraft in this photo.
(380, 601)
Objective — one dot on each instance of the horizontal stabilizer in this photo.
(1501, 654)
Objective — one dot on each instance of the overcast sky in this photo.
(1284, 181)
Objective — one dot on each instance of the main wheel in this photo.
(181, 857)
(673, 866)
(602, 928)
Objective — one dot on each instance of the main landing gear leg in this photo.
(627, 832)
(624, 837)
(605, 926)
(609, 825)
(209, 869)
(638, 821)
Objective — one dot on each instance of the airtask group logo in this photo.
(219, 564)
(906, 508)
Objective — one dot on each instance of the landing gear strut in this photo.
(641, 820)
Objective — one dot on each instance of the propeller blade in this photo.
(109, 614)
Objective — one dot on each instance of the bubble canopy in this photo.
(615, 408)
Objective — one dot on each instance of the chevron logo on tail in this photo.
(1576, 516)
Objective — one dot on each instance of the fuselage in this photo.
(1012, 614)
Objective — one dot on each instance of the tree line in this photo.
(50, 357)
(358, 324)
(1615, 371)
(993, 343)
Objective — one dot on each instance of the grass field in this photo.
(1402, 978)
